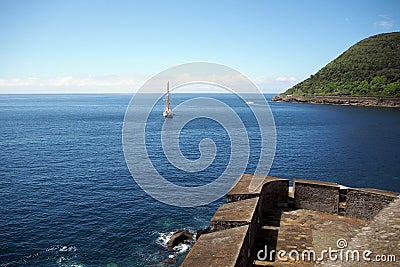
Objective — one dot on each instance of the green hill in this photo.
(371, 67)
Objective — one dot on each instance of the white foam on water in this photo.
(62, 248)
(182, 248)
(62, 253)
(163, 238)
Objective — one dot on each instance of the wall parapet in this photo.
(365, 203)
(227, 247)
(276, 193)
(316, 195)
(236, 214)
(230, 238)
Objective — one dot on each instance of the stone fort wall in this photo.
(229, 239)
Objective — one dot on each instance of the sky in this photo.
(83, 46)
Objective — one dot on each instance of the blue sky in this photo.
(114, 46)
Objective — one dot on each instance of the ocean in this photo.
(68, 198)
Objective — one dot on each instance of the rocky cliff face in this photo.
(340, 100)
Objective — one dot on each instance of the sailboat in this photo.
(167, 113)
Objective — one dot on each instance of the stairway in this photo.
(342, 201)
(268, 237)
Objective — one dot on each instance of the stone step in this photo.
(342, 209)
(343, 194)
(272, 217)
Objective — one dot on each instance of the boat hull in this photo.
(167, 114)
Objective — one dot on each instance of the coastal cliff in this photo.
(367, 74)
(340, 100)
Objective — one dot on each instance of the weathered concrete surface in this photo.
(365, 203)
(235, 214)
(316, 195)
(303, 229)
(307, 229)
(241, 188)
(274, 194)
(381, 236)
(223, 248)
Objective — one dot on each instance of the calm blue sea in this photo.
(68, 199)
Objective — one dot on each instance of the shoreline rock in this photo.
(178, 237)
(340, 100)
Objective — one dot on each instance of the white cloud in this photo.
(68, 84)
(385, 22)
(131, 83)
(286, 79)
(275, 84)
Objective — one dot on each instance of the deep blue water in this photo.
(67, 197)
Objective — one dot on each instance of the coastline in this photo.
(340, 100)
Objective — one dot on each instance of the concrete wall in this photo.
(231, 235)
(236, 214)
(240, 190)
(366, 203)
(230, 247)
(274, 194)
(316, 195)
(239, 197)
(245, 212)
(235, 225)
(243, 260)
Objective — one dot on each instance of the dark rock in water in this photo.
(169, 262)
(179, 237)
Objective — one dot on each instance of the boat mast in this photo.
(167, 100)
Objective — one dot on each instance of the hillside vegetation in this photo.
(371, 67)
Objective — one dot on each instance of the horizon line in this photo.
(126, 93)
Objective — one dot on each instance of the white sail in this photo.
(167, 113)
